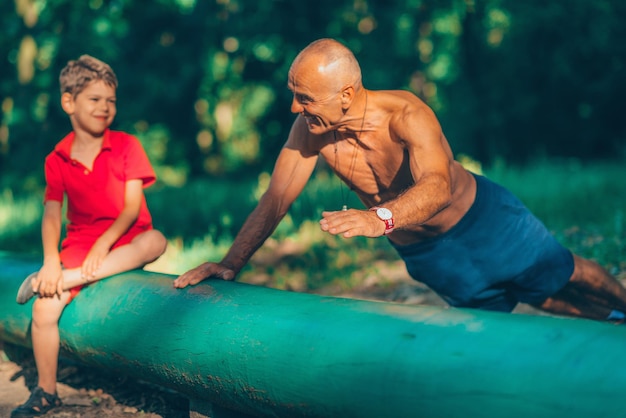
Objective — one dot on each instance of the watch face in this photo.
(384, 213)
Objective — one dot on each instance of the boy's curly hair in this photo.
(79, 73)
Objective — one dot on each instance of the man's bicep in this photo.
(427, 159)
(428, 151)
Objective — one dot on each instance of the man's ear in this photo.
(347, 95)
(67, 103)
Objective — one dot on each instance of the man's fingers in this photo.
(350, 223)
(196, 278)
(202, 272)
(192, 277)
(181, 281)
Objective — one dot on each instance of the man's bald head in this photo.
(331, 60)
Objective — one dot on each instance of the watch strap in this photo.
(389, 223)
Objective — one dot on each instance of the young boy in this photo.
(103, 173)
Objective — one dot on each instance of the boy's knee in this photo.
(154, 244)
(46, 312)
(160, 242)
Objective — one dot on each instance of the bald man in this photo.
(464, 236)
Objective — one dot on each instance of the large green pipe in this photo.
(267, 352)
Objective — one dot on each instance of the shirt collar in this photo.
(64, 147)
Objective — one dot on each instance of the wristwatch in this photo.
(386, 216)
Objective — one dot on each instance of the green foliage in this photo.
(203, 85)
(20, 220)
(204, 82)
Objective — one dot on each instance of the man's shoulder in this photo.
(397, 98)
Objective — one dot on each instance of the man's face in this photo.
(313, 98)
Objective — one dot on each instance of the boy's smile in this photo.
(92, 110)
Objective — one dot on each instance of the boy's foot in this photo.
(26, 292)
(39, 403)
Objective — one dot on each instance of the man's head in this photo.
(324, 78)
(79, 73)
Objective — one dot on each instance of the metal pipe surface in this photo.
(267, 352)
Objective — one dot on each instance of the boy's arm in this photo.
(133, 196)
(49, 279)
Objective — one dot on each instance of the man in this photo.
(467, 238)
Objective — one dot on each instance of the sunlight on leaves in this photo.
(26, 60)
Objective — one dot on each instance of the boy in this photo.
(103, 174)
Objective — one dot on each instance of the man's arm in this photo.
(133, 196)
(292, 170)
(430, 160)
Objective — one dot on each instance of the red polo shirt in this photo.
(95, 198)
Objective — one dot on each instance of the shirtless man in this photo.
(467, 238)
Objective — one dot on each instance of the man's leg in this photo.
(592, 292)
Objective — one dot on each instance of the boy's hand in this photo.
(93, 261)
(49, 281)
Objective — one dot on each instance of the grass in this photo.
(20, 220)
(582, 204)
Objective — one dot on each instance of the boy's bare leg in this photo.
(45, 336)
(143, 249)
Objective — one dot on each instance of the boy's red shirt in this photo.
(95, 198)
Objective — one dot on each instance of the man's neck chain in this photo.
(355, 152)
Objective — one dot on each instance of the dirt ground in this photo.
(86, 392)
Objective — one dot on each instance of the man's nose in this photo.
(296, 107)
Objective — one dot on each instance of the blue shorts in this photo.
(497, 255)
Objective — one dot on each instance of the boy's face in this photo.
(92, 110)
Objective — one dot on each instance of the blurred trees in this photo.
(203, 82)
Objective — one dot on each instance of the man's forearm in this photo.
(418, 204)
(256, 229)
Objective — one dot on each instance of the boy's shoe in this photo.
(39, 403)
(26, 292)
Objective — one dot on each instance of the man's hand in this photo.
(352, 222)
(202, 272)
(49, 281)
